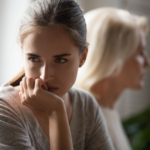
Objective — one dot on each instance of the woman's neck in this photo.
(108, 92)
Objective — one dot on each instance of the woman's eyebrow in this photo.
(62, 55)
(34, 55)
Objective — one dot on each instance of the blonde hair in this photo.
(43, 14)
(113, 35)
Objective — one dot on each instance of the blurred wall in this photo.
(92, 4)
(130, 102)
(10, 60)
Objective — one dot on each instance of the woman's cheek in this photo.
(69, 73)
(32, 71)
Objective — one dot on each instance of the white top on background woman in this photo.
(49, 114)
(116, 61)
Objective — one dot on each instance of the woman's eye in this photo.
(60, 60)
(33, 59)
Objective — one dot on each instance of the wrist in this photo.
(59, 109)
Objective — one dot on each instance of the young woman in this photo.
(38, 108)
(116, 61)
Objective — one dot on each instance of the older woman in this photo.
(116, 61)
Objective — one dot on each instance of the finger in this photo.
(30, 83)
(20, 95)
(21, 88)
(22, 98)
(37, 84)
(24, 85)
(44, 86)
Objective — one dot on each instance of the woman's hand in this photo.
(34, 94)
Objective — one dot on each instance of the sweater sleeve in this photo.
(13, 134)
(99, 137)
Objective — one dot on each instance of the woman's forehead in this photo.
(55, 41)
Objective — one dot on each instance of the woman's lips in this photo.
(52, 89)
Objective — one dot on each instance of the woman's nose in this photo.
(47, 73)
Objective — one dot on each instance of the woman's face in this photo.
(132, 74)
(52, 56)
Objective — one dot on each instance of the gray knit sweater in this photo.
(20, 130)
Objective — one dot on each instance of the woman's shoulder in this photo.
(7, 91)
(18, 121)
(10, 104)
(81, 94)
(84, 99)
(9, 96)
(10, 109)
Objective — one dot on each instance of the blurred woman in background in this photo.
(116, 61)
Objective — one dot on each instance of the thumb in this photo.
(20, 95)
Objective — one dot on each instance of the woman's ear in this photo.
(83, 57)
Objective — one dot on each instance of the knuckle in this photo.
(32, 96)
(29, 79)
(23, 102)
(27, 97)
(37, 79)
(36, 92)
(24, 78)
